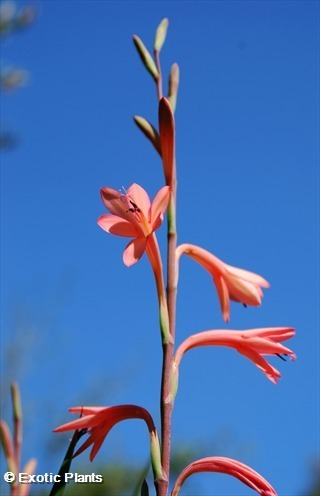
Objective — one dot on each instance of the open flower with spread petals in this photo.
(252, 343)
(98, 421)
(133, 216)
(231, 283)
(226, 466)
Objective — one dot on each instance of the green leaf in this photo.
(144, 488)
(59, 487)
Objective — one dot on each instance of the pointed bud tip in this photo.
(146, 57)
(161, 34)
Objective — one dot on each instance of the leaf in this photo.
(144, 488)
(161, 34)
(59, 487)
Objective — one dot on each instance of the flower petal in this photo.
(248, 276)
(140, 198)
(134, 251)
(243, 291)
(114, 202)
(271, 372)
(160, 203)
(276, 334)
(81, 423)
(88, 410)
(116, 225)
(223, 294)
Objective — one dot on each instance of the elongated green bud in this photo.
(146, 58)
(161, 34)
(156, 458)
(173, 86)
(149, 131)
(16, 402)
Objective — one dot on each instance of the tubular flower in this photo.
(98, 421)
(252, 343)
(226, 466)
(133, 216)
(231, 283)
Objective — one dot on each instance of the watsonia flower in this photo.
(252, 343)
(98, 421)
(226, 466)
(232, 283)
(132, 215)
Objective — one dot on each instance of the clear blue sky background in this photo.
(83, 325)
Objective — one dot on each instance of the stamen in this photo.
(278, 354)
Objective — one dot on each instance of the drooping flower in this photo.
(231, 283)
(226, 466)
(252, 343)
(133, 216)
(98, 421)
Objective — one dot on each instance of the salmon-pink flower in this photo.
(252, 343)
(133, 216)
(98, 421)
(226, 466)
(231, 283)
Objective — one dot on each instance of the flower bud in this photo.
(149, 131)
(161, 34)
(146, 58)
(173, 86)
(156, 457)
(167, 138)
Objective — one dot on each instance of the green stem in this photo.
(159, 78)
(153, 252)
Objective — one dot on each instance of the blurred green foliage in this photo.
(12, 20)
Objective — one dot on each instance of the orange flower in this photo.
(231, 283)
(226, 466)
(252, 343)
(133, 215)
(98, 421)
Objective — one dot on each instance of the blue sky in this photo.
(84, 325)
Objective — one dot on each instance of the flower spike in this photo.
(226, 466)
(231, 283)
